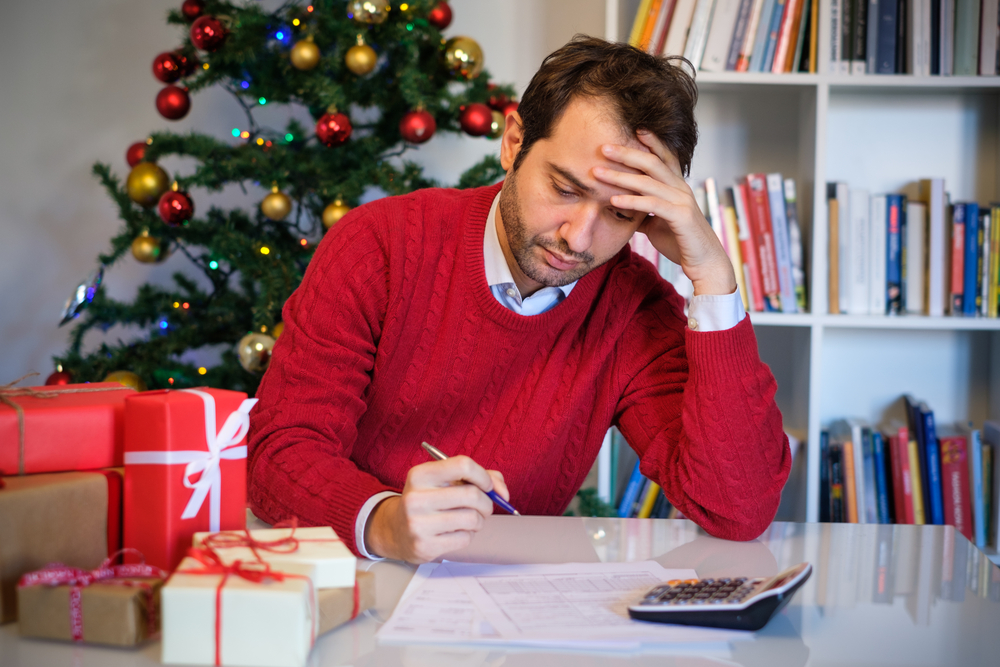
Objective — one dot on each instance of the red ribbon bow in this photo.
(255, 572)
(57, 574)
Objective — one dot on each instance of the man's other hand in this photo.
(443, 504)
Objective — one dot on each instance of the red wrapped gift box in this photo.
(185, 468)
(55, 429)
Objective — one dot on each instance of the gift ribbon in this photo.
(253, 572)
(242, 538)
(58, 574)
(8, 392)
(221, 444)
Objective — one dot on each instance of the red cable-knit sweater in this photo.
(394, 338)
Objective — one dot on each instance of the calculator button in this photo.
(691, 581)
(673, 582)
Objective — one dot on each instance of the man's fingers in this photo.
(499, 485)
(451, 471)
(445, 499)
(661, 151)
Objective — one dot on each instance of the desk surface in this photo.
(879, 595)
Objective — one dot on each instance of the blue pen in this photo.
(494, 496)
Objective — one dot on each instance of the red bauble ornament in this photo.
(172, 102)
(476, 119)
(508, 109)
(497, 100)
(135, 153)
(167, 67)
(192, 9)
(59, 378)
(189, 63)
(440, 16)
(333, 129)
(175, 207)
(417, 126)
(208, 33)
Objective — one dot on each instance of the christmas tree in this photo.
(376, 80)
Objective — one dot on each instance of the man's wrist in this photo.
(378, 533)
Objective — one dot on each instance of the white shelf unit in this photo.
(882, 133)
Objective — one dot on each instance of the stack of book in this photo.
(890, 254)
(632, 494)
(912, 472)
(920, 37)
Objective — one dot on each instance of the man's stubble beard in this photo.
(522, 247)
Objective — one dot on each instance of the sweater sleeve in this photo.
(698, 408)
(304, 427)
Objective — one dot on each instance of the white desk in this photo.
(879, 595)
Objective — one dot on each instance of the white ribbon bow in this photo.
(221, 445)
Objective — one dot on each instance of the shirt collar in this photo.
(497, 270)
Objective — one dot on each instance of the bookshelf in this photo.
(880, 132)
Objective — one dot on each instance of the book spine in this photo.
(994, 279)
(898, 508)
(720, 35)
(887, 14)
(824, 476)
(833, 249)
(750, 38)
(814, 37)
(631, 492)
(731, 224)
(917, 485)
(957, 258)
(909, 507)
(763, 33)
(739, 34)
(966, 37)
(795, 241)
(639, 25)
(760, 219)
(936, 249)
(844, 241)
(935, 27)
(871, 37)
(846, 38)
(850, 492)
(859, 279)
(976, 482)
(955, 485)
(650, 27)
(786, 32)
(859, 37)
(652, 492)
(947, 37)
(877, 292)
(871, 492)
(902, 12)
(982, 293)
(988, 39)
(660, 30)
(933, 476)
(836, 35)
(894, 259)
(714, 211)
(881, 478)
(694, 49)
(748, 247)
(782, 245)
(837, 492)
(678, 31)
(971, 260)
(916, 224)
(794, 62)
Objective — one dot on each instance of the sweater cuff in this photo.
(720, 355)
(362, 523)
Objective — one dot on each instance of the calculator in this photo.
(737, 603)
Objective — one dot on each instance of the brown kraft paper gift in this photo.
(337, 606)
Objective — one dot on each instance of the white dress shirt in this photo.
(706, 313)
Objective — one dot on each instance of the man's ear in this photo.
(510, 144)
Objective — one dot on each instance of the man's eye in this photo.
(561, 192)
(623, 216)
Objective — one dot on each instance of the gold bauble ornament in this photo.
(278, 329)
(254, 351)
(148, 249)
(127, 379)
(361, 58)
(305, 54)
(496, 127)
(368, 11)
(146, 182)
(463, 57)
(333, 213)
(276, 205)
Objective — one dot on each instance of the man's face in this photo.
(557, 217)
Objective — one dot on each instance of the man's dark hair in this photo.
(646, 92)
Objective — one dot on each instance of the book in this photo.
(782, 244)
(935, 17)
(799, 58)
(977, 505)
(836, 35)
(902, 11)
(956, 301)
(652, 12)
(947, 28)
(918, 35)
(659, 34)
(833, 248)
(633, 511)
(886, 57)
(738, 38)
(902, 477)
(750, 38)
(795, 241)
(993, 275)
(991, 481)
(985, 230)
(967, 37)
(933, 196)
(639, 24)
(859, 37)
(824, 476)
(956, 492)
(847, 13)
(748, 248)
(814, 37)
(916, 224)
(838, 511)
(631, 492)
(731, 225)
(916, 484)
(916, 422)
(855, 261)
(843, 194)
(894, 255)
(714, 212)
(787, 35)
(882, 490)
(868, 470)
(971, 260)
(871, 37)
(763, 34)
(694, 47)
(678, 31)
(648, 500)
(760, 221)
(988, 38)
(841, 431)
(877, 299)
(720, 35)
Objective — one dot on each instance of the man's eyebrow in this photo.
(572, 179)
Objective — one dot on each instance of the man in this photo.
(510, 326)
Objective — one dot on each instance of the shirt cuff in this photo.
(716, 312)
(362, 522)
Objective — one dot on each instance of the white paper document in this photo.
(583, 605)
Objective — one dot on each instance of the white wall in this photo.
(76, 87)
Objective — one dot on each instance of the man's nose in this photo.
(578, 229)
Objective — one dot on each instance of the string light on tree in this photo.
(476, 119)
(463, 57)
(333, 128)
(208, 33)
(417, 126)
(146, 183)
(361, 58)
(305, 54)
(334, 212)
(440, 16)
(254, 352)
(276, 206)
(173, 102)
(368, 11)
